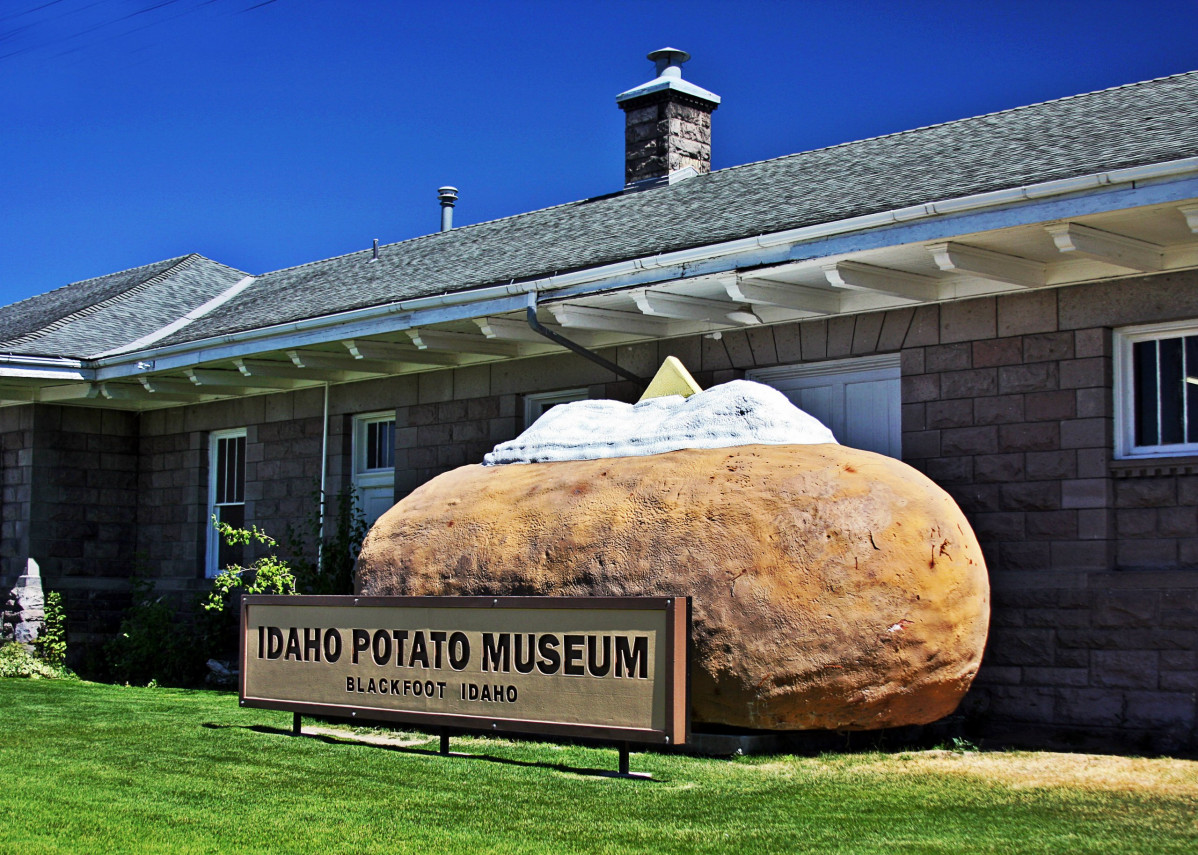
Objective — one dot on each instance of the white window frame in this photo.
(536, 403)
(370, 479)
(212, 542)
(888, 366)
(1124, 390)
(361, 426)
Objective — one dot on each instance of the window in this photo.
(859, 400)
(536, 405)
(1156, 389)
(226, 496)
(374, 463)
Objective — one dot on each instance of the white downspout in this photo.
(324, 468)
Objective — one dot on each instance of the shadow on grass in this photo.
(426, 752)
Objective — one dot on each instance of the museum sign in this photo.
(610, 668)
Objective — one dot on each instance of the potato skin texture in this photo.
(832, 588)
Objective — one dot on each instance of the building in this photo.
(1008, 302)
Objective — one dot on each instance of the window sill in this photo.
(1153, 467)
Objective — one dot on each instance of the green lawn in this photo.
(94, 768)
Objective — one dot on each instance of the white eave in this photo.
(844, 256)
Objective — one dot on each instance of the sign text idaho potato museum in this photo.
(611, 668)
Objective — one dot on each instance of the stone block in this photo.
(1022, 704)
(472, 381)
(1093, 462)
(997, 351)
(949, 357)
(920, 444)
(736, 344)
(1086, 433)
(912, 361)
(866, 333)
(1036, 377)
(998, 468)
(1145, 492)
(1089, 707)
(1124, 669)
(1085, 493)
(950, 470)
(973, 440)
(1178, 522)
(814, 340)
(998, 675)
(761, 343)
(840, 335)
(968, 320)
(1093, 402)
(1179, 681)
(787, 343)
(1022, 647)
(1187, 552)
(969, 384)
(1000, 409)
(1049, 524)
(1136, 522)
(1025, 312)
(713, 354)
(975, 498)
(920, 387)
(1024, 557)
(1048, 347)
(1092, 342)
(1147, 553)
(925, 327)
(1080, 373)
(1029, 436)
(1158, 710)
(451, 411)
(1081, 555)
(1050, 465)
(1072, 677)
(435, 386)
(914, 417)
(1094, 524)
(998, 526)
(949, 414)
(1045, 406)
(895, 324)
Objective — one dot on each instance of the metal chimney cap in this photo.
(668, 59)
(447, 195)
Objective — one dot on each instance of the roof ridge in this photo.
(955, 121)
(180, 263)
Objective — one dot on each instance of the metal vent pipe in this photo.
(449, 198)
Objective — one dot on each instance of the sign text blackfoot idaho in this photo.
(606, 667)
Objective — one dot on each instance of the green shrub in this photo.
(327, 566)
(152, 644)
(52, 644)
(17, 661)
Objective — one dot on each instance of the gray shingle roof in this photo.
(1127, 126)
(89, 317)
(1134, 125)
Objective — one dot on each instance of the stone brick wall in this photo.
(663, 134)
(75, 507)
(1006, 401)
(16, 489)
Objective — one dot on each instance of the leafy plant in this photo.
(52, 644)
(326, 566)
(17, 661)
(151, 644)
(269, 574)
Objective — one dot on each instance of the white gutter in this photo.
(1030, 192)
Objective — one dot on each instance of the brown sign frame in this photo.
(677, 622)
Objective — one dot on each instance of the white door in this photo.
(374, 463)
(860, 400)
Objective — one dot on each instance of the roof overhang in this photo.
(1099, 226)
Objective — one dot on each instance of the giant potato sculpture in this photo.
(831, 588)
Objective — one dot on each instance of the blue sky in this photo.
(265, 135)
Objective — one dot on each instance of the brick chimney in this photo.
(667, 125)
